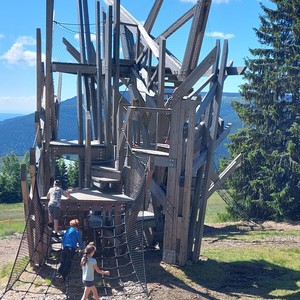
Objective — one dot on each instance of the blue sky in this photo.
(230, 19)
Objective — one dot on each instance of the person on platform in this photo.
(54, 196)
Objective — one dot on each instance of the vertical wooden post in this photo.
(99, 74)
(108, 88)
(25, 196)
(211, 146)
(49, 95)
(173, 192)
(116, 58)
(88, 152)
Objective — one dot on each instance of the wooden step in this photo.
(112, 174)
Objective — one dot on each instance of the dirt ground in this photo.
(163, 285)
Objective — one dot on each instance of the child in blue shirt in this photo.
(70, 242)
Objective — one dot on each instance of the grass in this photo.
(11, 219)
(271, 271)
(216, 210)
(255, 268)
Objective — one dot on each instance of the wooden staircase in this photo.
(106, 178)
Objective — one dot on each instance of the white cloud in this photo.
(220, 35)
(92, 35)
(20, 52)
(214, 1)
(1, 36)
(22, 105)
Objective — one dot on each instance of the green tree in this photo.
(61, 173)
(10, 178)
(73, 174)
(267, 186)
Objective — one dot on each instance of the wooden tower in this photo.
(180, 178)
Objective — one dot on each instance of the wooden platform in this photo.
(89, 199)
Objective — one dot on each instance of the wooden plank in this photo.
(94, 197)
(88, 152)
(73, 68)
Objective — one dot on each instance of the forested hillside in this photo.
(17, 134)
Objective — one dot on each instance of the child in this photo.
(70, 242)
(88, 265)
(54, 196)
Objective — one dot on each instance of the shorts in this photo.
(88, 283)
(54, 212)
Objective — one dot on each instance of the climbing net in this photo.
(119, 250)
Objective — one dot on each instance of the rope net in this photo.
(117, 234)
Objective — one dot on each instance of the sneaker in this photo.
(55, 239)
(60, 234)
(50, 226)
(60, 278)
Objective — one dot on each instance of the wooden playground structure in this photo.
(179, 173)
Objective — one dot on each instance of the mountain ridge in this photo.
(17, 133)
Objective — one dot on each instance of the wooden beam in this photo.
(127, 42)
(99, 96)
(161, 72)
(178, 23)
(171, 62)
(48, 93)
(211, 147)
(88, 151)
(216, 184)
(194, 43)
(116, 75)
(195, 75)
(73, 68)
(186, 199)
(39, 71)
(152, 15)
(107, 81)
(72, 50)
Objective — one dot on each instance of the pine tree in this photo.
(267, 185)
